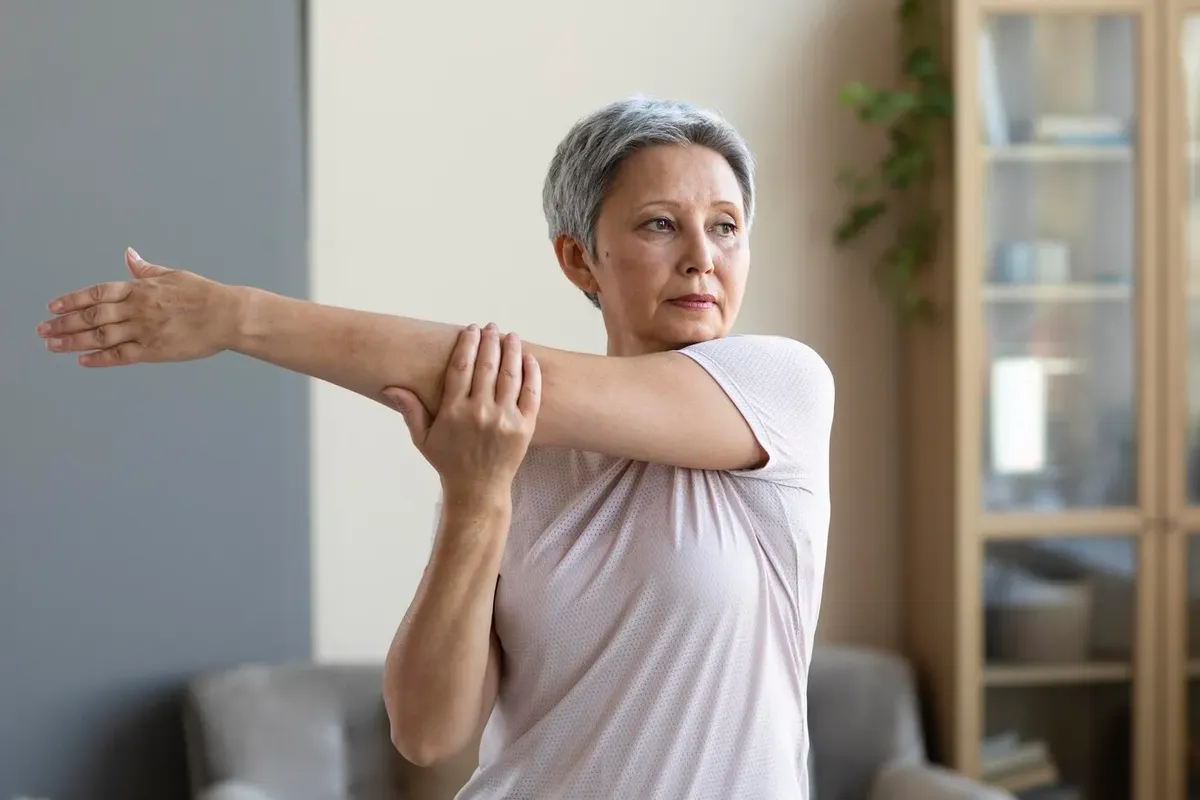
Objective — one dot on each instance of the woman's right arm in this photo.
(443, 669)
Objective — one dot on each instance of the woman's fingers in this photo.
(531, 388)
(462, 366)
(487, 363)
(88, 318)
(120, 356)
(508, 381)
(112, 292)
(99, 338)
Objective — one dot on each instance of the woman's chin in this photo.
(681, 335)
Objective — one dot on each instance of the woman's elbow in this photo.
(414, 750)
(420, 739)
(424, 748)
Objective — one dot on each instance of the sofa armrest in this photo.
(916, 781)
(233, 790)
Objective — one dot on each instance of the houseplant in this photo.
(914, 116)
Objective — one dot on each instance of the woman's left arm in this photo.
(661, 408)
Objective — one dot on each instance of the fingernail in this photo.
(492, 326)
(56, 306)
(54, 344)
(135, 255)
(43, 329)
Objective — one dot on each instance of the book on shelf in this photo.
(991, 97)
(1081, 130)
(1016, 766)
(1058, 792)
(1024, 779)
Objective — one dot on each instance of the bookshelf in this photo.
(1052, 415)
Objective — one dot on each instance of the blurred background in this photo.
(160, 522)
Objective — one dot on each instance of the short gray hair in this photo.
(588, 158)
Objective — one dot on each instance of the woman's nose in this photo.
(698, 259)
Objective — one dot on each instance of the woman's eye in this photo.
(726, 228)
(660, 225)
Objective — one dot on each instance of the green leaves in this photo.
(913, 115)
(904, 165)
(921, 63)
(855, 183)
(877, 106)
(857, 219)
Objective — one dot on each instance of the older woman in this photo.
(627, 608)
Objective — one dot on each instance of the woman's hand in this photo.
(161, 315)
(487, 416)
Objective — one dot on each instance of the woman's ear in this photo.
(575, 263)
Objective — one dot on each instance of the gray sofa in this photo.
(310, 732)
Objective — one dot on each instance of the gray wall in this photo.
(153, 520)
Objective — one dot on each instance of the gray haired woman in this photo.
(625, 585)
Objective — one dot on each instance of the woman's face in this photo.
(672, 251)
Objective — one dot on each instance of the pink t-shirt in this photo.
(657, 622)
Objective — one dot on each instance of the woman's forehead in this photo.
(688, 174)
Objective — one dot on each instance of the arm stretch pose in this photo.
(626, 406)
(622, 598)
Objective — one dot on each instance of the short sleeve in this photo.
(785, 392)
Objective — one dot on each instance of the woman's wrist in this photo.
(477, 501)
(242, 308)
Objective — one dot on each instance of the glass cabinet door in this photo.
(1060, 275)
(1060, 287)
(1060, 634)
(1183, 297)
(1186, 278)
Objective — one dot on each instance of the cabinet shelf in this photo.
(1056, 292)
(1058, 153)
(1010, 675)
(1064, 292)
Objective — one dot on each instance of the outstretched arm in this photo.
(661, 408)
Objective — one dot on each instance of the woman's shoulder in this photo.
(752, 352)
(772, 370)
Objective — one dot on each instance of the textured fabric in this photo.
(657, 622)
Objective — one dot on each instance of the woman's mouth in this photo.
(695, 302)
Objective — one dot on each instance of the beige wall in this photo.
(432, 127)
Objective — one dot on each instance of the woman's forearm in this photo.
(358, 350)
(367, 352)
(436, 676)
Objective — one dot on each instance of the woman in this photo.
(631, 611)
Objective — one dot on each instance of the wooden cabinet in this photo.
(1053, 405)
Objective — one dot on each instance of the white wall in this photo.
(432, 126)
